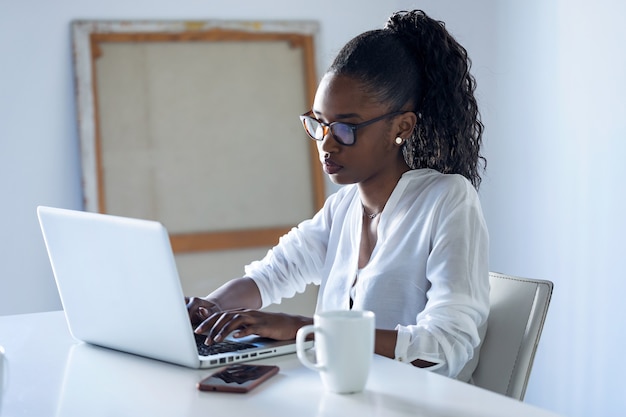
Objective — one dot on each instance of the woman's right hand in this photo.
(200, 309)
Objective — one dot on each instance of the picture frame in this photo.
(195, 124)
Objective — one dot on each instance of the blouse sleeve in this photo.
(295, 261)
(449, 329)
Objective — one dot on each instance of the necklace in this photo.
(371, 216)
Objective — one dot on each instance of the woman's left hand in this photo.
(241, 323)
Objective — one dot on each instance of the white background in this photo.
(552, 83)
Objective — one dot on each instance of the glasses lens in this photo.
(343, 133)
(313, 128)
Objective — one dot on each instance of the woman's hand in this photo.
(200, 309)
(243, 322)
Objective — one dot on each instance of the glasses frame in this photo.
(328, 127)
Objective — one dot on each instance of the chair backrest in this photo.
(518, 311)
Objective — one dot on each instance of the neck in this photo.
(375, 193)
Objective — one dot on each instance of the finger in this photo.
(212, 326)
(198, 309)
(239, 322)
(222, 327)
(203, 313)
(207, 324)
(246, 331)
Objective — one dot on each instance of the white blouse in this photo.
(427, 277)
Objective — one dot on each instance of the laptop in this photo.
(120, 289)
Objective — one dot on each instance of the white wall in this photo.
(551, 87)
(554, 194)
(39, 160)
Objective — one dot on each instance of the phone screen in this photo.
(238, 378)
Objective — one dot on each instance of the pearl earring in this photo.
(399, 140)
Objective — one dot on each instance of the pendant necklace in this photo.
(371, 216)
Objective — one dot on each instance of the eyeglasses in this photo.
(344, 133)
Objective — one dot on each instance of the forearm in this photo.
(236, 293)
(385, 345)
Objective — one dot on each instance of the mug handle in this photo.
(301, 335)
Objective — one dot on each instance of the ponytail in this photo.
(414, 62)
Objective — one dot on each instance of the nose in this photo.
(328, 144)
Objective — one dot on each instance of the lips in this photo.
(330, 167)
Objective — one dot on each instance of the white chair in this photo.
(518, 311)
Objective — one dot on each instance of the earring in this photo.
(399, 140)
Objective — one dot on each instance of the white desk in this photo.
(49, 374)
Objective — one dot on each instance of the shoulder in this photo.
(428, 182)
(440, 195)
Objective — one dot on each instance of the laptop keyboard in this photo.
(221, 347)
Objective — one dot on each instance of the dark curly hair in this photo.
(415, 62)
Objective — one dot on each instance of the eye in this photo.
(344, 133)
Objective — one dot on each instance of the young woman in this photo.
(396, 121)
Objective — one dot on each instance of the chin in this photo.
(340, 180)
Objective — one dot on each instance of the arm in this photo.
(237, 293)
(243, 293)
(385, 345)
(287, 268)
(284, 271)
(233, 308)
(449, 329)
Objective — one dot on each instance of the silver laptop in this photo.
(120, 289)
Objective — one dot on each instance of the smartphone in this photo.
(238, 378)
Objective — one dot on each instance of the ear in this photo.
(405, 123)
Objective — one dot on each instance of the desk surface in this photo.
(47, 373)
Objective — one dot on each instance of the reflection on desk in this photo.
(100, 379)
(74, 379)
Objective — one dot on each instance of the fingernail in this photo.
(217, 338)
(203, 312)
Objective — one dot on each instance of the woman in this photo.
(396, 121)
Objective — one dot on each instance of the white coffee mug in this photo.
(344, 346)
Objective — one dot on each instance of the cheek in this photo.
(320, 149)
